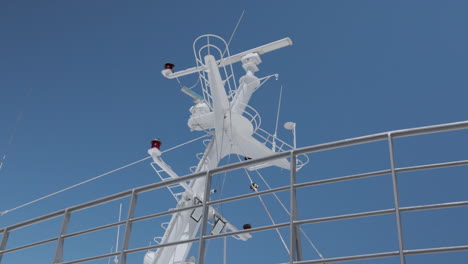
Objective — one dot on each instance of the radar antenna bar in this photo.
(234, 58)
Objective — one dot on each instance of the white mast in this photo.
(232, 135)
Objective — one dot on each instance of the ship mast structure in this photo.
(222, 111)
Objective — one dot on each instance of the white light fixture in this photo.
(291, 126)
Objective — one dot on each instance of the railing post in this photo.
(60, 240)
(128, 228)
(3, 242)
(294, 236)
(396, 199)
(206, 198)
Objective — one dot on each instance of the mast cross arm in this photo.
(232, 59)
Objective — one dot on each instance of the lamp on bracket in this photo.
(291, 126)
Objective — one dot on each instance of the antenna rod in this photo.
(233, 32)
(277, 118)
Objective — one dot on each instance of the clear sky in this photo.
(356, 68)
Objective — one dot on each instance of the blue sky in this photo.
(356, 68)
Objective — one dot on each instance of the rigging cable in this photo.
(180, 84)
(284, 207)
(220, 206)
(13, 132)
(266, 209)
(95, 178)
(277, 119)
(287, 211)
(279, 108)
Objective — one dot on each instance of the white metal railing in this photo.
(210, 44)
(253, 116)
(292, 224)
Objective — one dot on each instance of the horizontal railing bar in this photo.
(433, 166)
(327, 260)
(383, 136)
(386, 254)
(300, 185)
(103, 200)
(133, 250)
(116, 197)
(281, 225)
(381, 212)
(248, 195)
(350, 258)
(91, 258)
(249, 163)
(252, 230)
(100, 201)
(176, 210)
(433, 206)
(343, 178)
(36, 220)
(383, 172)
(168, 182)
(345, 216)
(342, 143)
(351, 177)
(435, 250)
(137, 190)
(132, 220)
(71, 209)
(305, 150)
(429, 129)
(28, 245)
(93, 229)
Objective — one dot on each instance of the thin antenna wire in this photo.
(277, 119)
(95, 178)
(266, 209)
(279, 108)
(13, 132)
(234, 32)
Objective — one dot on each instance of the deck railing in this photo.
(293, 224)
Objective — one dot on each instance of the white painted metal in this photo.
(292, 126)
(5, 231)
(184, 225)
(233, 59)
(227, 109)
(232, 135)
(247, 85)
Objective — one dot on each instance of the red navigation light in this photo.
(169, 66)
(156, 143)
(247, 226)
